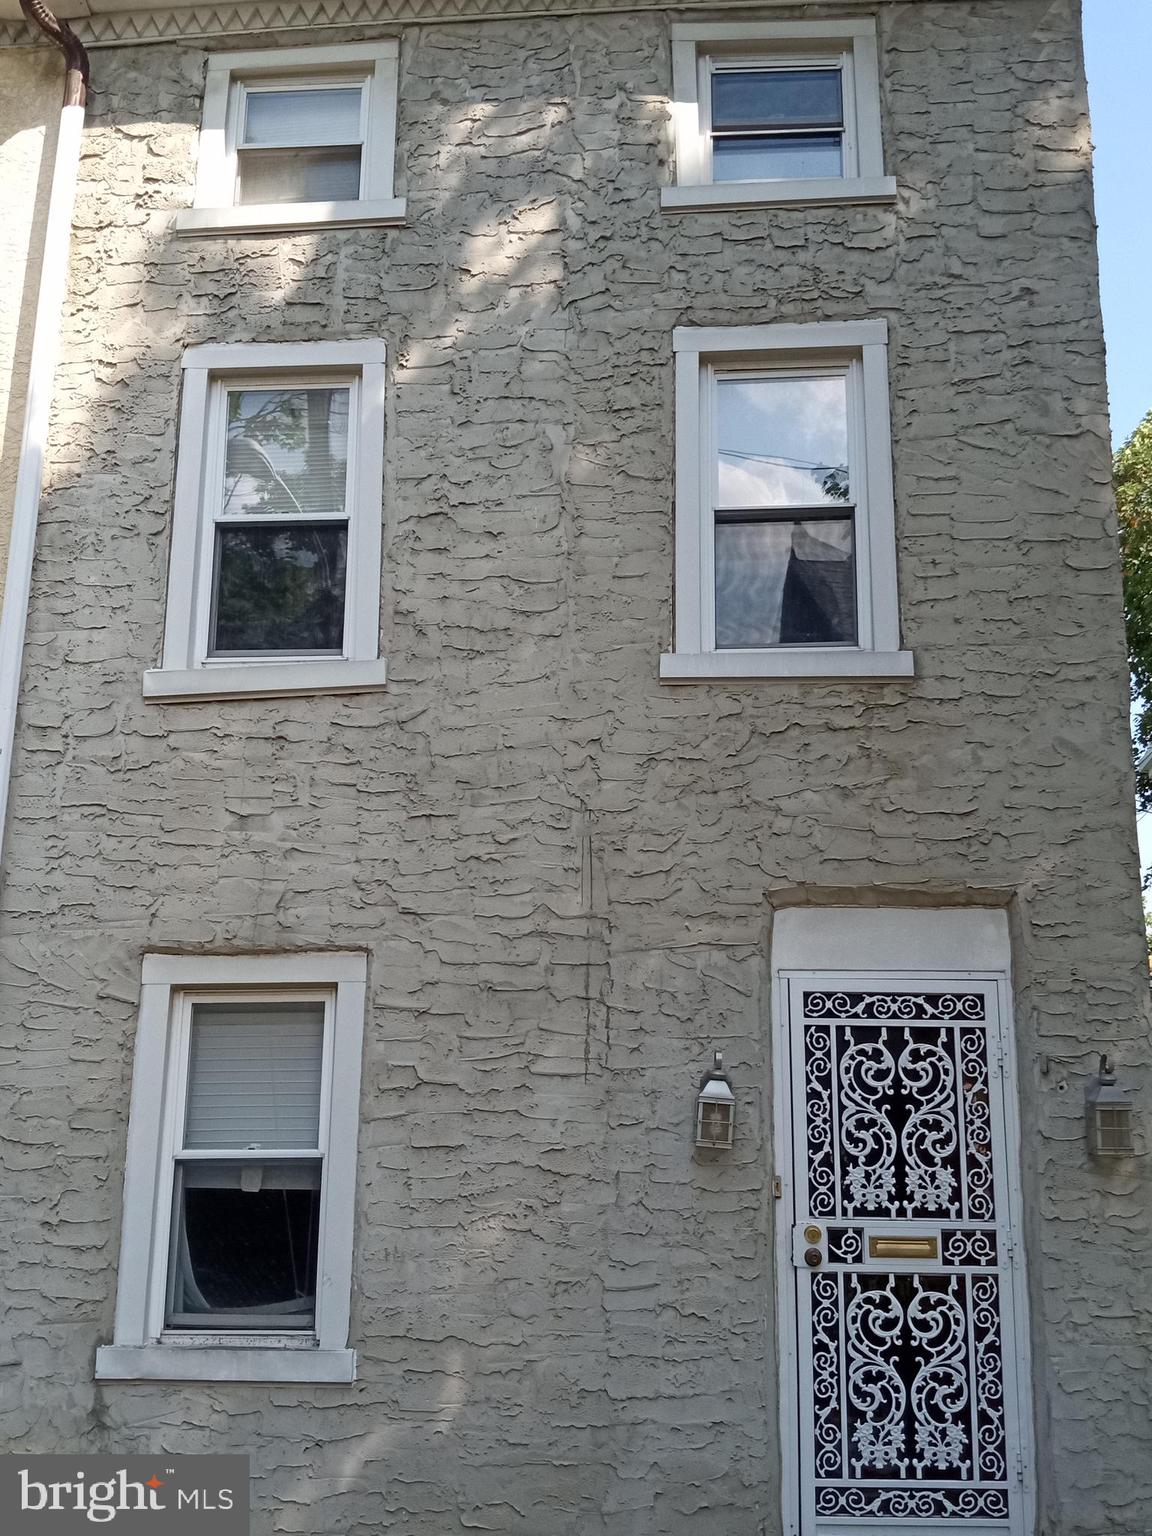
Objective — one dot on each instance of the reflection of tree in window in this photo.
(280, 584)
(287, 452)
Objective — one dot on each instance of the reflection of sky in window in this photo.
(287, 451)
(780, 439)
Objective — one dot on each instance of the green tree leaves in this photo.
(1133, 479)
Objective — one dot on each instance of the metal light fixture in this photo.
(715, 1109)
(1109, 1114)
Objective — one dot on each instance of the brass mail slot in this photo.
(903, 1248)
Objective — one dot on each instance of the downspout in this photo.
(41, 372)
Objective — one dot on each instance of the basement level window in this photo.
(776, 113)
(296, 138)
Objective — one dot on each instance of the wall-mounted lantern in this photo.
(715, 1109)
(1109, 1113)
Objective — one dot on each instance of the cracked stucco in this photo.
(564, 873)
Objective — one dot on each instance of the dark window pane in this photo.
(244, 1245)
(776, 98)
(786, 157)
(287, 451)
(299, 175)
(279, 588)
(785, 583)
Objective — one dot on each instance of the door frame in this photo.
(787, 1342)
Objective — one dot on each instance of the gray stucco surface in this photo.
(565, 874)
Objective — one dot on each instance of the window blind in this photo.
(254, 1075)
(328, 115)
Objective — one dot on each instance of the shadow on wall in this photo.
(468, 823)
(31, 83)
(518, 389)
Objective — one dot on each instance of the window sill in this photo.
(750, 666)
(193, 1362)
(264, 680)
(257, 218)
(777, 194)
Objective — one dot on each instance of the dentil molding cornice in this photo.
(123, 28)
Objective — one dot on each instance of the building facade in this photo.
(575, 538)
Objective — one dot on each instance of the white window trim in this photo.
(214, 210)
(852, 43)
(186, 672)
(139, 1350)
(877, 656)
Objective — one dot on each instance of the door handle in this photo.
(813, 1258)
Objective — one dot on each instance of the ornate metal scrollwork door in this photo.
(902, 1252)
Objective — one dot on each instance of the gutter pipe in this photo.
(41, 373)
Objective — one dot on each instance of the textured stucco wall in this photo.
(565, 874)
(30, 86)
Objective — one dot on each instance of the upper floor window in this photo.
(274, 575)
(776, 112)
(785, 546)
(297, 137)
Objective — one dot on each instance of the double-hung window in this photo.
(785, 542)
(770, 121)
(300, 141)
(297, 137)
(783, 472)
(776, 112)
(274, 582)
(237, 1233)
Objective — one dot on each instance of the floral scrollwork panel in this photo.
(819, 1113)
(908, 1503)
(909, 1385)
(894, 1005)
(898, 1118)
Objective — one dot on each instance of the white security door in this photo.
(903, 1329)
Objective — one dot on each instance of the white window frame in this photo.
(859, 349)
(374, 65)
(186, 670)
(142, 1348)
(699, 49)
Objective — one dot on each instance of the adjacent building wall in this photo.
(30, 86)
(565, 874)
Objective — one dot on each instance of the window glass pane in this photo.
(287, 452)
(254, 1074)
(310, 115)
(785, 583)
(244, 1245)
(777, 98)
(779, 158)
(298, 175)
(783, 442)
(279, 588)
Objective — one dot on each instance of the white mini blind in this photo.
(327, 115)
(254, 1075)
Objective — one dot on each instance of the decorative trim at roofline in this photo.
(124, 28)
